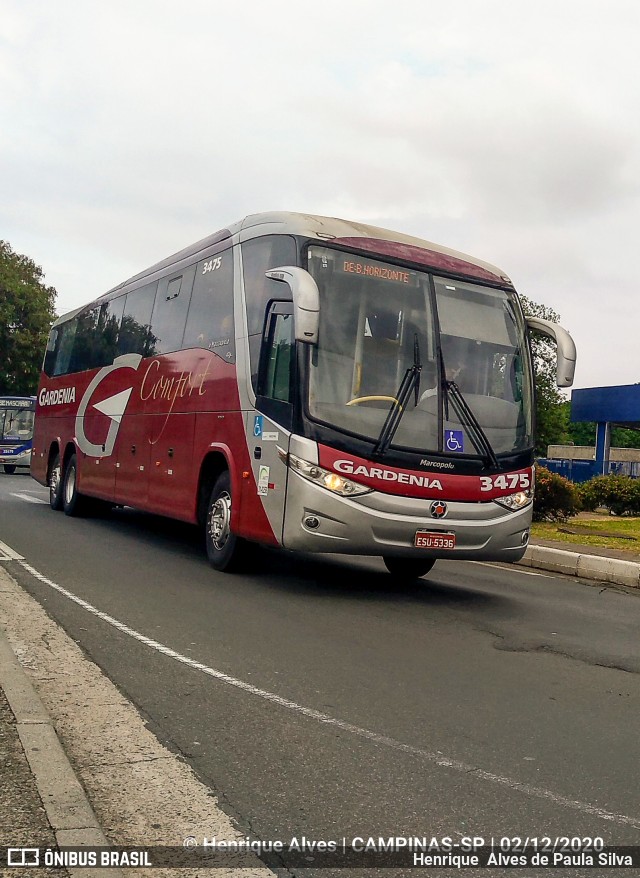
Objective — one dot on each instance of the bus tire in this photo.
(408, 568)
(224, 548)
(73, 502)
(9, 468)
(55, 484)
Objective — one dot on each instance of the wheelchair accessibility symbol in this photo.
(257, 426)
(454, 440)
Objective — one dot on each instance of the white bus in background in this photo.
(16, 431)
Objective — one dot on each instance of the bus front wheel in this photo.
(9, 468)
(224, 548)
(408, 568)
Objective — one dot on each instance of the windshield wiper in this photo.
(466, 416)
(411, 381)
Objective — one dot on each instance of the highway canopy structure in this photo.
(618, 406)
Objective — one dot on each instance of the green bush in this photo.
(555, 498)
(592, 493)
(618, 494)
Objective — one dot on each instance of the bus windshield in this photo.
(374, 316)
(16, 422)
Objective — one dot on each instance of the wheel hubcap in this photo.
(70, 486)
(220, 521)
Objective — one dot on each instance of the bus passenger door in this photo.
(269, 427)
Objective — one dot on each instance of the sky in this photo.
(504, 129)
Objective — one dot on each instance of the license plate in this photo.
(428, 540)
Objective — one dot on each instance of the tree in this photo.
(580, 432)
(552, 419)
(26, 315)
(623, 437)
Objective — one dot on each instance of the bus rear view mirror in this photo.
(566, 348)
(306, 300)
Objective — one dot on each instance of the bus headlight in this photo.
(325, 478)
(515, 501)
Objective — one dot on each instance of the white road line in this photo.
(436, 758)
(9, 554)
(514, 568)
(30, 498)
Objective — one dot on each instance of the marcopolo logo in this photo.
(113, 407)
(387, 475)
(437, 464)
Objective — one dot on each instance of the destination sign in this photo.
(8, 403)
(375, 270)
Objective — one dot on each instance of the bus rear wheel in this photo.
(408, 568)
(73, 502)
(55, 484)
(224, 548)
(9, 468)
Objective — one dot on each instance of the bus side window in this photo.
(170, 312)
(49, 364)
(108, 330)
(258, 256)
(135, 335)
(66, 335)
(210, 318)
(83, 356)
(277, 366)
(277, 363)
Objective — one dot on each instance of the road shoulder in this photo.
(103, 777)
(582, 561)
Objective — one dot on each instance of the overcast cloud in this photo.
(504, 129)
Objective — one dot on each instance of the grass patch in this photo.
(606, 531)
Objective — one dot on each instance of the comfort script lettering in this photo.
(171, 388)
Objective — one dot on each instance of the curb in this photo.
(63, 797)
(594, 567)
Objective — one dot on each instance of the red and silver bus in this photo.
(304, 382)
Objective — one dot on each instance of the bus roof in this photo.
(326, 229)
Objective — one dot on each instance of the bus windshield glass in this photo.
(16, 421)
(374, 316)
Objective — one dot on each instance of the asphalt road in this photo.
(315, 696)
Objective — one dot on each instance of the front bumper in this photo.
(386, 524)
(21, 459)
